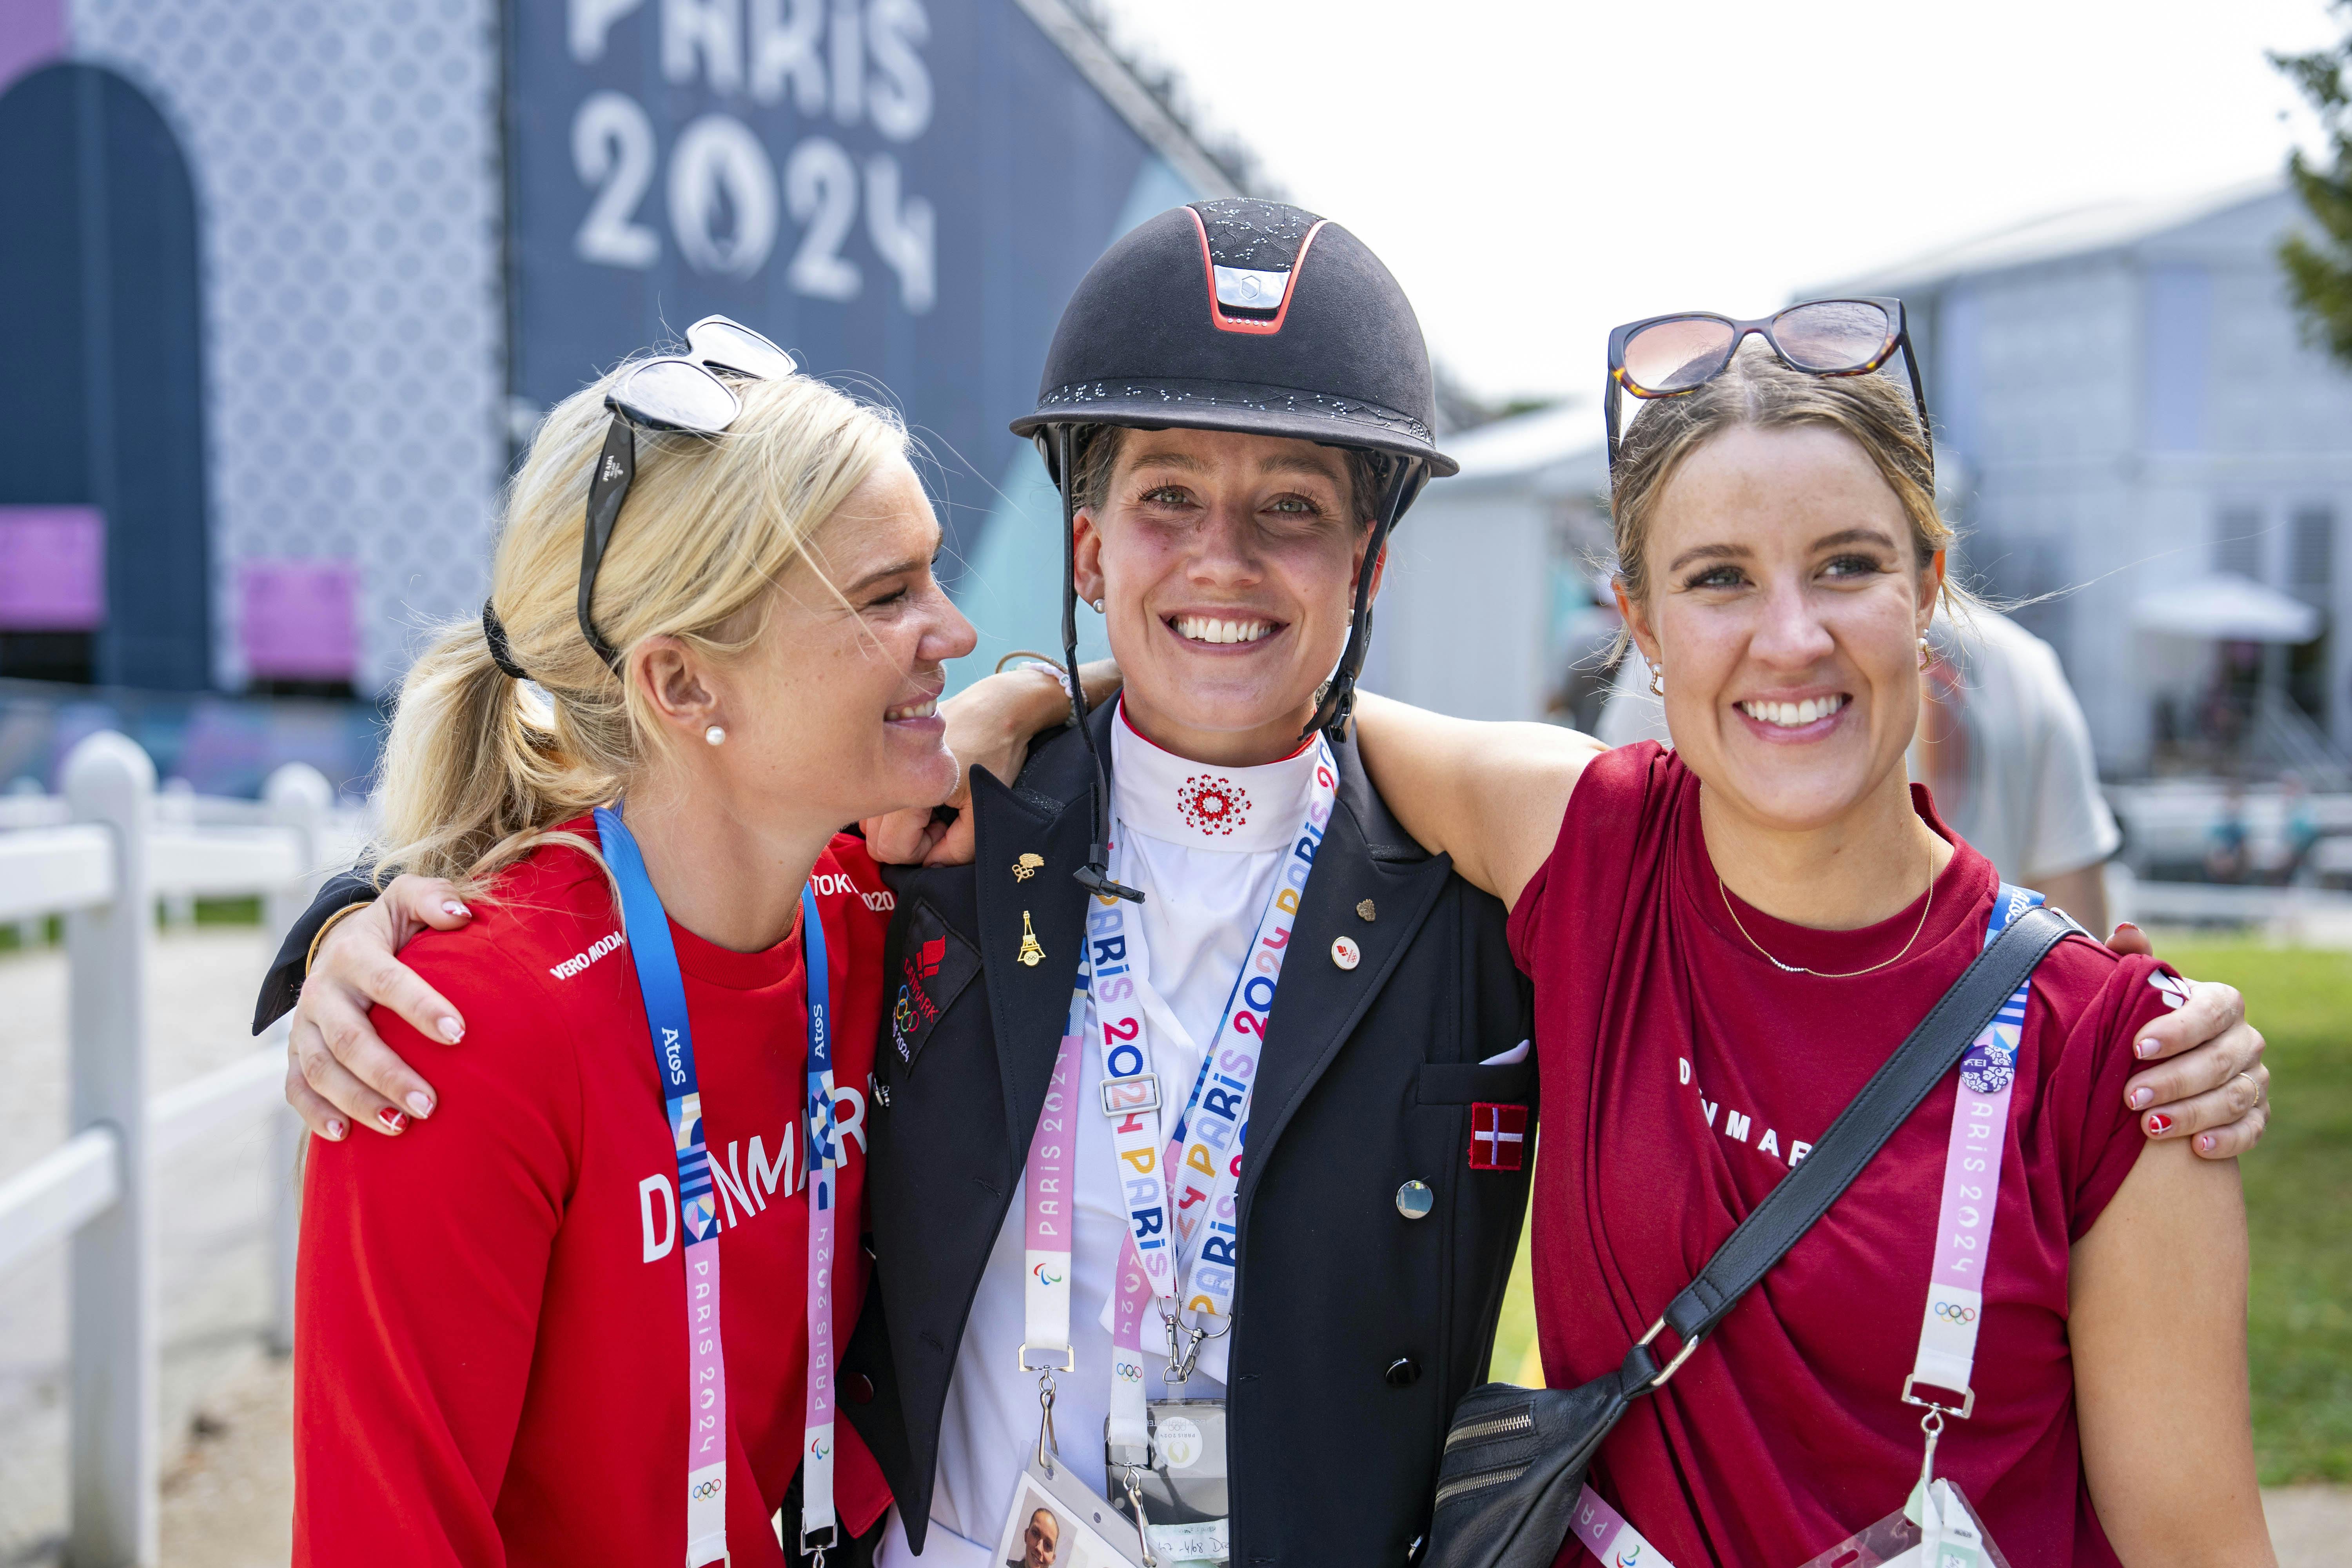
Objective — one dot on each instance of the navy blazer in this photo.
(1356, 1328)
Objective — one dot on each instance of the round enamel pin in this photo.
(1346, 954)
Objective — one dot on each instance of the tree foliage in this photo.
(2319, 266)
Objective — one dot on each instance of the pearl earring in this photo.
(1099, 604)
(1657, 680)
(714, 734)
(1926, 657)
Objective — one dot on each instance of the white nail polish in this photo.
(452, 1030)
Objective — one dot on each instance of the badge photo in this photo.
(1055, 1522)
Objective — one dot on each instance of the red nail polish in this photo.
(2159, 1124)
(393, 1120)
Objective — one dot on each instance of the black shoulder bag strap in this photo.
(1515, 1457)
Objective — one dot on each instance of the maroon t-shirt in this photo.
(1684, 1075)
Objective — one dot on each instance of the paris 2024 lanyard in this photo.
(664, 988)
(1936, 1528)
(1182, 1247)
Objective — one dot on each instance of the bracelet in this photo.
(311, 957)
(1061, 676)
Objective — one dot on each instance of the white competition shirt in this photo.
(1203, 844)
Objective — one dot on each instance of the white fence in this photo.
(103, 856)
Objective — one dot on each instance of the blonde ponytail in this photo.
(479, 768)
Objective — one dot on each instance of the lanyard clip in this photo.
(1181, 1363)
(1130, 1479)
(1049, 1447)
(1964, 1409)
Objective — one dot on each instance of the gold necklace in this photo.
(1823, 975)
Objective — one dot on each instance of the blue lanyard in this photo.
(655, 959)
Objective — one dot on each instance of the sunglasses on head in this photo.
(1668, 356)
(677, 394)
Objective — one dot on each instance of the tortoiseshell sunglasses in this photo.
(1667, 356)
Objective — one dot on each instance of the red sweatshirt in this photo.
(491, 1358)
(1684, 1075)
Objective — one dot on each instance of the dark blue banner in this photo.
(904, 190)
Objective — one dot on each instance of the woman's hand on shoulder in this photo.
(338, 1072)
(989, 724)
(2208, 1084)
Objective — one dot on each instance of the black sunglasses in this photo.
(681, 393)
(1669, 356)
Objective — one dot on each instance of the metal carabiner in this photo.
(1135, 1504)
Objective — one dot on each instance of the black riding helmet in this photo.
(1249, 316)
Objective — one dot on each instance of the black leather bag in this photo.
(1515, 1457)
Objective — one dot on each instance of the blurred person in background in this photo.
(2001, 742)
(2229, 842)
(512, 1345)
(2301, 827)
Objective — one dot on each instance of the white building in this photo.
(2124, 404)
(2124, 407)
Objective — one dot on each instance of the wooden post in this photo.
(112, 1466)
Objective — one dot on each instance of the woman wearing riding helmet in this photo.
(512, 1345)
(1727, 939)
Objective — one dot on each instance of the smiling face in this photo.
(1041, 1540)
(834, 708)
(1227, 566)
(1786, 602)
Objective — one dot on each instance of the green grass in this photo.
(2298, 1206)
(2298, 1212)
(241, 912)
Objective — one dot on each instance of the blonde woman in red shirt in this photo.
(1727, 938)
(512, 1346)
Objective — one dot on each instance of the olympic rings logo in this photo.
(1127, 1370)
(1953, 1312)
(704, 1491)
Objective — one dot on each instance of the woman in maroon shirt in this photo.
(512, 1346)
(1727, 939)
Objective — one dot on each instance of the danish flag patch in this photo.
(1498, 1136)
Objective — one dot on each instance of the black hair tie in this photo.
(494, 632)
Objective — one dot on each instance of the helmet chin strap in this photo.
(1094, 874)
(1337, 702)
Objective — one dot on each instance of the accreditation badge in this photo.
(1055, 1522)
(1173, 1494)
(1937, 1528)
